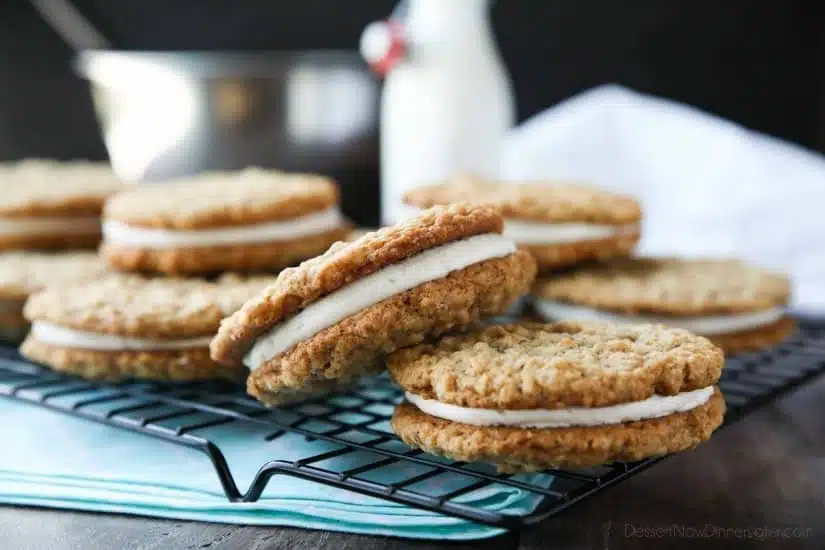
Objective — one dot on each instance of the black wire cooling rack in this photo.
(178, 412)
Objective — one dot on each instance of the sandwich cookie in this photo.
(253, 220)
(560, 224)
(338, 315)
(528, 397)
(737, 306)
(53, 205)
(122, 327)
(24, 273)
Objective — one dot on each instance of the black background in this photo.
(757, 62)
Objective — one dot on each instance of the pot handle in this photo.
(72, 26)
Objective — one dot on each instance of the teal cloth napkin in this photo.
(55, 460)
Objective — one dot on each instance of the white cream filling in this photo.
(55, 335)
(704, 325)
(429, 265)
(656, 406)
(529, 232)
(49, 226)
(119, 233)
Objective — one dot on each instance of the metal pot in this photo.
(168, 114)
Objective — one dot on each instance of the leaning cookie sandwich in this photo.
(339, 315)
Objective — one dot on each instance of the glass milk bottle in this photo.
(447, 100)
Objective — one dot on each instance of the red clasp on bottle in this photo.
(383, 45)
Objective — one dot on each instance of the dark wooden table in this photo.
(763, 476)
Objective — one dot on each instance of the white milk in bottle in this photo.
(447, 101)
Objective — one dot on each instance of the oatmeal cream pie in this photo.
(47, 204)
(121, 327)
(338, 315)
(533, 396)
(252, 220)
(739, 307)
(24, 273)
(560, 224)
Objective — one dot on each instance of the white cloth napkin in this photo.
(709, 187)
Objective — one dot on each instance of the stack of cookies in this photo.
(628, 370)
(49, 213)
(49, 205)
(415, 298)
(583, 238)
(524, 397)
(154, 314)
